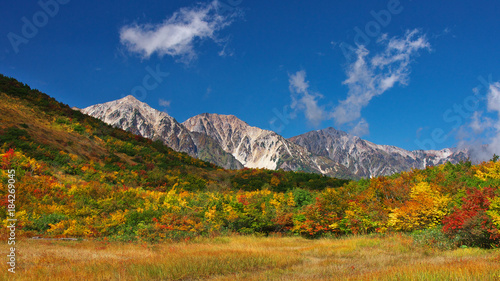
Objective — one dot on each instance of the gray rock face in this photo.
(366, 159)
(139, 118)
(258, 148)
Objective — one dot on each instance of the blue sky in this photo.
(414, 74)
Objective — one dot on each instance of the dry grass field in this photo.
(251, 258)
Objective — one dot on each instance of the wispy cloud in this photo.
(370, 77)
(304, 100)
(177, 35)
(360, 129)
(479, 122)
(164, 103)
(494, 97)
(482, 134)
(367, 77)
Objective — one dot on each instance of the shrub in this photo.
(302, 197)
(470, 225)
(434, 238)
(43, 223)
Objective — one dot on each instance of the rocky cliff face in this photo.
(258, 148)
(139, 118)
(366, 159)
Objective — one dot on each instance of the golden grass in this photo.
(251, 258)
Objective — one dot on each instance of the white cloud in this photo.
(367, 77)
(482, 134)
(164, 103)
(494, 97)
(298, 82)
(370, 77)
(304, 100)
(361, 129)
(479, 123)
(177, 35)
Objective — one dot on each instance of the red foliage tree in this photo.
(470, 225)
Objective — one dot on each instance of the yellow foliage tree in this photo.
(425, 209)
(490, 170)
(275, 181)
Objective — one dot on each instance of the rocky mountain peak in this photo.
(129, 98)
(135, 116)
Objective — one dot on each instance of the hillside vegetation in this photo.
(78, 177)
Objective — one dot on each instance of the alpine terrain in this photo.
(139, 118)
(258, 148)
(366, 159)
(230, 142)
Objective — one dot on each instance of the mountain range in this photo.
(231, 143)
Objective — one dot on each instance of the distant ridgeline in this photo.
(78, 177)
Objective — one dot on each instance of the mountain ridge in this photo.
(258, 148)
(230, 142)
(139, 118)
(376, 159)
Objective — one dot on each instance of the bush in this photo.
(302, 197)
(434, 238)
(470, 225)
(43, 223)
(15, 137)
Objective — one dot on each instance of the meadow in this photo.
(387, 257)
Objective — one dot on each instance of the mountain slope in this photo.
(139, 118)
(366, 159)
(257, 148)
